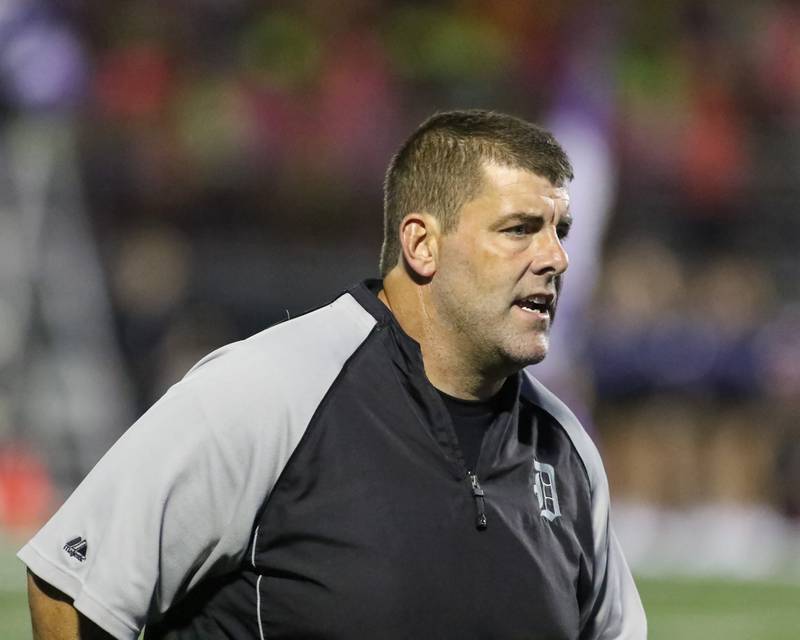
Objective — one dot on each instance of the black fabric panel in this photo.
(371, 531)
(221, 608)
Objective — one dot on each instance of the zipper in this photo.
(442, 417)
(480, 503)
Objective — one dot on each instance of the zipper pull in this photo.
(480, 505)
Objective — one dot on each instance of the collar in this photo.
(428, 404)
(366, 294)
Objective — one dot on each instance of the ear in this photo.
(418, 238)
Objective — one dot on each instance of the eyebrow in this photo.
(526, 216)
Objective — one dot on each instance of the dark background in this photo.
(180, 174)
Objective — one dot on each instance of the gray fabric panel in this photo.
(174, 500)
(617, 611)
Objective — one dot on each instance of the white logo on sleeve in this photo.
(544, 486)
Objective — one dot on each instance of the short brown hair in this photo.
(438, 169)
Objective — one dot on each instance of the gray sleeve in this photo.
(618, 610)
(174, 500)
(615, 610)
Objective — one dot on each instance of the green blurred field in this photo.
(712, 609)
(676, 609)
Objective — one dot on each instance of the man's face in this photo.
(497, 273)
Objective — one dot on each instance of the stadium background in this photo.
(176, 175)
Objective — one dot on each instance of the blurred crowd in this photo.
(217, 164)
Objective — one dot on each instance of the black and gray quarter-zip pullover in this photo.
(308, 483)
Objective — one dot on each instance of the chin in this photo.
(527, 354)
(535, 359)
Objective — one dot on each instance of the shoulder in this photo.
(293, 362)
(179, 490)
(243, 409)
(324, 335)
(536, 393)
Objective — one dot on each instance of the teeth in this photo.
(539, 300)
(535, 304)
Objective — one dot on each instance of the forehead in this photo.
(520, 188)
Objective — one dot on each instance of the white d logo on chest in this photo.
(544, 487)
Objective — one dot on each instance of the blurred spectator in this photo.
(231, 153)
(64, 388)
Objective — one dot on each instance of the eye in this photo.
(563, 231)
(518, 230)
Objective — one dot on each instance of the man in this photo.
(380, 467)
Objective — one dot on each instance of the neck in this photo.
(449, 365)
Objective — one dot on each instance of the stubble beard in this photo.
(490, 345)
(515, 352)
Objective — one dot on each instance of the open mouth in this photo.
(536, 304)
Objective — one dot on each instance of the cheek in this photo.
(483, 270)
(460, 267)
(484, 263)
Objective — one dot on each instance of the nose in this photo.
(548, 255)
